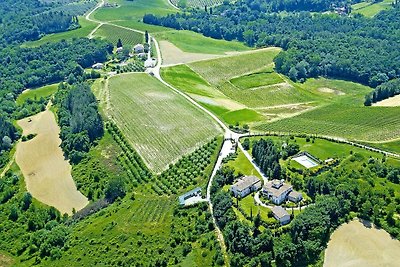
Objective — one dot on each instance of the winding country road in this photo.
(229, 135)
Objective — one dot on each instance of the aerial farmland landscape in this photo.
(254, 133)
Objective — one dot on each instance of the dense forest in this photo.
(357, 187)
(30, 19)
(79, 119)
(349, 47)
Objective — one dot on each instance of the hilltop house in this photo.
(139, 48)
(98, 66)
(119, 50)
(281, 215)
(245, 186)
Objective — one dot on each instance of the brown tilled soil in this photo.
(47, 174)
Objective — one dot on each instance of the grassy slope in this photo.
(193, 42)
(112, 34)
(242, 165)
(345, 116)
(370, 9)
(37, 93)
(86, 28)
(161, 125)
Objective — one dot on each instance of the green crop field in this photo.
(358, 123)
(239, 88)
(84, 31)
(161, 125)
(113, 33)
(193, 42)
(135, 232)
(130, 13)
(196, 3)
(37, 93)
(370, 9)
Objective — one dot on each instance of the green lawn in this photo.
(161, 125)
(242, 165)
(37, 93)
(84, 31)
(370, 9)
(113, 33)
(192, 42)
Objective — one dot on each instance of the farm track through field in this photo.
(228, 133)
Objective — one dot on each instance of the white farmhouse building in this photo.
(281, 215)
(277, 191)
(98, 66)
(245, 186)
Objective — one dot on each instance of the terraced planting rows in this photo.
(161, 125)
(191, 170)
(358, 123)
(112, 34)
(196, 3)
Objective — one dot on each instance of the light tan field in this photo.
(172, 55)
(47, 174)
(390, 102)
(5, 261)
(354, 244)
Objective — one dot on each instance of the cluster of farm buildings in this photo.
(277, 191)
(138, 50)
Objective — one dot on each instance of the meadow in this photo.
(112, 34)
(37, 93)
(161, 125)
(370, 9)
(86, 28)
(193, 42)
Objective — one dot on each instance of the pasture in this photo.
(370, 9)
(37, 93)
(160, 124)
(47, 174)
(113, 33)
(86, 28)
(361, 244)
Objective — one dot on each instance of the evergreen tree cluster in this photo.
(79, 119)
(383, 91)
(266, 155)
(365, 50)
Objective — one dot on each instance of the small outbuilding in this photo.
(98, 66)
(194, 194)
(119, 50)
(295, 196)
(245, 186)
(281, 215)
(150, 63)
(139, 48)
